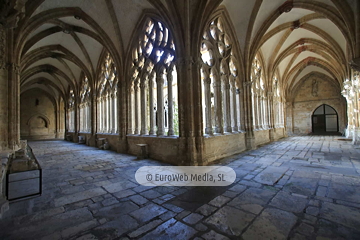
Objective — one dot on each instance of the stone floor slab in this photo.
(271, 224)
(270, 175)
(230, 220)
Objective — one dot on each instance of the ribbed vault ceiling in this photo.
(59, 40)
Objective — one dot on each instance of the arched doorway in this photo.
(325, 120)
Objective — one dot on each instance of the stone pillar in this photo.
(271, 118)
(249, 101)
(143, 107)
(241, 108)
(290, 118)
(234, 106)
(227, 105)
(218, 106)
(130, 118)
(170, 103)
(151, 103)
(108, 113)
(160, 104)
(103, 115)
(208, 127)
(356, 105)
(113, 118)
(255, 112)
(116, 114)
(137, 113)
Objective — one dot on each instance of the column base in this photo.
(250, 141)
(272, 135)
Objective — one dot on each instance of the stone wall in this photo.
(216, 147)
(165, 149)
(37, 116)
(311, 94)
(261, 137)
(279, 133)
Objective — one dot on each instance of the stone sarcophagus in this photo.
(24, 175)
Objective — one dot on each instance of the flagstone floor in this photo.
(297, 188)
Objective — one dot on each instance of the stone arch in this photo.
(46, 121)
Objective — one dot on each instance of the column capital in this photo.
(181, 62)
(13, 67)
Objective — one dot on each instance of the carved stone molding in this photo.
(13, 67)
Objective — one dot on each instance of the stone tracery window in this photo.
(71, 111)
(260, 106)
(85, 106)
(219, 72)
(153, 83)
(278, 104)
(107, 98)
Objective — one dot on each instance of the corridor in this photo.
(297, 188)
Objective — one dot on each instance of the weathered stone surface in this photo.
(145, 228)
(193, 218)
(271, 224)
(345, 192)
(270, 175)
(148, 212)
(53, 224)
(230, 220)
(118, 186)
(252, 199)
(303, 186)
(171, 229)
(219, 201)
(206, 210)
(116, 210)
(344, 215)
(288, 202)
(212, 235)
(75, 197)
(115, 228)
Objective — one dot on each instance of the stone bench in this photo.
(69, 138)
(81, 139)
(143, 151)
(102, 143)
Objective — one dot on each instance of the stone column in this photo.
(356, 106)
(137, 113)
(130, 118)
(116, 114)
(227, 104)
(290, 117)
(160, 104)
(208, 127)
(256, 112)
(112, 113)
(170, 103)
(249, 114)
(143, 107)
(218, 106)
(151, 103)
(235, 107)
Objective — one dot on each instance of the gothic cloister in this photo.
(196, 83)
